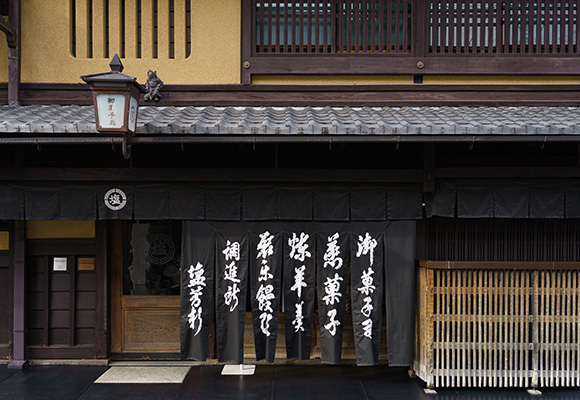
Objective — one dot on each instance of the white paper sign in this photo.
(111, 110)
(59, 264)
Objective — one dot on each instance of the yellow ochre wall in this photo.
(215, 52)
(60, 229)
(4, 241)
(215, 47)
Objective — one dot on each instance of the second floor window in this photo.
(398, 27)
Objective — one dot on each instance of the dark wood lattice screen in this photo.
(429, 37)
(334, 27)
(508, 27)
(501, 239)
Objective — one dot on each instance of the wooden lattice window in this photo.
(333, 27)
(512, 27)
(410, 37)
(147, 29)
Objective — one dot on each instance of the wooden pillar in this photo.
(102, 307)
(19, 355)
(14, 55)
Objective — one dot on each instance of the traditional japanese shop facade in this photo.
(358, 196)
(150, 229)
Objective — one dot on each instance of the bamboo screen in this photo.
(510, 327)
(147, 29)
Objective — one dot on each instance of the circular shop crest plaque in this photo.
(161, 249)
(115, 199)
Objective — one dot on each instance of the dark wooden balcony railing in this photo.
(411, 37)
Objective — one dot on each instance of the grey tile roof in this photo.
(472, 121)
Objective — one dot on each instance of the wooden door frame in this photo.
(120, 303)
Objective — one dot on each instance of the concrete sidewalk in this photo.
(268, 383)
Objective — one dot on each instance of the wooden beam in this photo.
(9, 30)
(468, 64)
(504, 265)
(208, 175)
(321, 95)
(508, 172)
(274, 175)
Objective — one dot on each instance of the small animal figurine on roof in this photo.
(153, 86)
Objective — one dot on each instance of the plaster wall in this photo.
(60, 230)
(215, 51)
(47, 55)
(4, 241)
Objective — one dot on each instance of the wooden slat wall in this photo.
(147, 29)
(501, 239)
(61, 305)
(498, 328)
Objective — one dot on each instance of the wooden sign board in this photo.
(86, 264)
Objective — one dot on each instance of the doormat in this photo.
(144, 375)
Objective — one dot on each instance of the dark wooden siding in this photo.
(61, 304)
(5, 304)
(457, 239)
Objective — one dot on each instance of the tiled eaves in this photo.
(471, 121)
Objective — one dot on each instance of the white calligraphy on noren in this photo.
(299, 251)
(332, 322)
(332, 285)
(299, 247)
(297, 322)
(196, 285)
(299, 280)
(265, 293)
(331, 256)
(232, 252)
(366, 246)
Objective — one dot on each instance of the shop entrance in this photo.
(144, 260)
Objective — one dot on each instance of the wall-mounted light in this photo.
(116, 101)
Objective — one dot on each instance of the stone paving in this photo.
(269, 382)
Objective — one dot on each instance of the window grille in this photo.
(415, 36)
(148, 29)
(334, 27)
(518, 27)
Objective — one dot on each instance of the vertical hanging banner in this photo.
(366, 263)
(332, 254)
(231, 289)
(197, 277)
(299, 295)
(265, 282)
(400, 291)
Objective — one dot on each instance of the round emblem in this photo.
(115, 199)
(161, 249)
